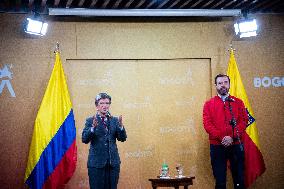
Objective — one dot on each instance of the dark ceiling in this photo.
(41, 6)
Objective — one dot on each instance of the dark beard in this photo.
(223, 91)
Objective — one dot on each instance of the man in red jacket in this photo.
(225, 120)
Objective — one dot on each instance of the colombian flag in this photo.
(254, 163)
(53, 152)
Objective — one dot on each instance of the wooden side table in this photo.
(172, 182)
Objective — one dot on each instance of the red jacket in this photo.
(217, 116)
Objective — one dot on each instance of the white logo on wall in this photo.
(186, 79)
(5, 83)
(106, 79)
(268, 82)
(138, 105)
(144, 153)
(186, 126)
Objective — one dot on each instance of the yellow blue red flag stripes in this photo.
(254, 163)
(53, 152)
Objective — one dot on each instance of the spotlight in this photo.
(246, 28)
(35, 26)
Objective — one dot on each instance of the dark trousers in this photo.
(103, 178)
(219, 157)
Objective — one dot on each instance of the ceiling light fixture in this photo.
(246, 28)
(35, 25)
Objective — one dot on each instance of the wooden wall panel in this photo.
(161, 102)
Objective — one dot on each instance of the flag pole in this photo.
(231, 48)
(56, 47)
(254, 162)
(48, 156)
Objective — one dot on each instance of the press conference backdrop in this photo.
(161, 103)
(162, 112)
